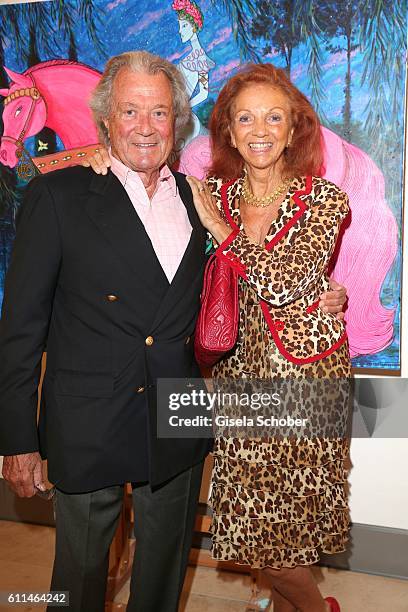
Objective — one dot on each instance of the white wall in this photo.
(379, 481)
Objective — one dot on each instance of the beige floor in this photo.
(26, 553)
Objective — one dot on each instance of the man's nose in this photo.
(144, 125)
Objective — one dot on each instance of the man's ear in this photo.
(106, 124)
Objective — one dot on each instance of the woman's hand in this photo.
(99, 162)
(207, 210)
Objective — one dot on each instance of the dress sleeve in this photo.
(281, 281)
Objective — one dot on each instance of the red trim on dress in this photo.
(302, 208)
(299, 361)
(312, 307)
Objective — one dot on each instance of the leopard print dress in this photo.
(280, 501)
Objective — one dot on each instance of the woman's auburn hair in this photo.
(305, 154)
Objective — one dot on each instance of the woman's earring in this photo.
(289, 141)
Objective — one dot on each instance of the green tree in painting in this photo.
(383, 41)
(241, 12)
(65, 14)
(275, 26)
(282, 26)
(338, 23)
(376, 28)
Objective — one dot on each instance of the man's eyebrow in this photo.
(133, 105)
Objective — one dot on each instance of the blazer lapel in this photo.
(111, 210)
(193, 258)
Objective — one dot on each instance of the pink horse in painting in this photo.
(368, 245)
(51, 94)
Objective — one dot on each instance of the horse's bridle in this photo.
(35, 96)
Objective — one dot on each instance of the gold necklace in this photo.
(251, 199)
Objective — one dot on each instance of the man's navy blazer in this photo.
(84, 282)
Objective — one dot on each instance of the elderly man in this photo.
(106, 273)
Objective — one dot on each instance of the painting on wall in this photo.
(347, 57)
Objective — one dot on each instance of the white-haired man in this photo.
(106, 272)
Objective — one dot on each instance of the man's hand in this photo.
(333, 301)
(23, 473)
(99, 162)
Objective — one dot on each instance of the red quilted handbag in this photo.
(217, 325)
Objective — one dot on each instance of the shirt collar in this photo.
(127, 175)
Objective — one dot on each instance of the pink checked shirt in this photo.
(164, 217)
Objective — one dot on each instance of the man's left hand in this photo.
(24, 473)
(333, 301)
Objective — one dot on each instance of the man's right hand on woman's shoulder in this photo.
(99, 161)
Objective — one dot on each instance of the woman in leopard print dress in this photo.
(278, 501)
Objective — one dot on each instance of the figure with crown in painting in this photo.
(196, 65)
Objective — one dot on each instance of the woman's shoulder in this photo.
(218, 181)
(215, 183)
(325, 187)
(326, 194)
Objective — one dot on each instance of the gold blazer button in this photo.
(149, 341)
(140, 389)
(112, 298)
